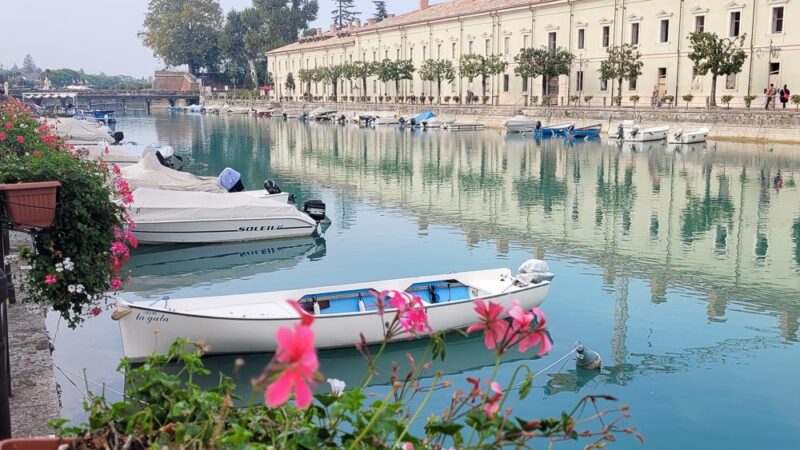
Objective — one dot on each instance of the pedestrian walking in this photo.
(654, 98)
(784, 95)
(770, 94)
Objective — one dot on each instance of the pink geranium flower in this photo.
(2, 136)
(9, 126)
(521, 322)
(21, 139)
(50, 279)
(493, 401)
(494, 327)
(297, 354)
(410, 311)
(116, 284)
(306, 319)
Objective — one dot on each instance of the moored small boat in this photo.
(322, 113)
(587, 131)
(555, 130)
(521, 124)
(178, 217)
(689, 137)
(248, 323)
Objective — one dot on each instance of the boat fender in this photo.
(121, 312)
(586, 358)
(272, 187)
(361, 305)
(534, 271)
(316, 308)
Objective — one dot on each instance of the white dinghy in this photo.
(689, 137)
(521, 124)
(248, 323)
(629, 132)
(177, 217)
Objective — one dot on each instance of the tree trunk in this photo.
(364, 85)
(396, 88)
(439, 89)
(335, 90)
(253, 73)
(483, 86)
(619, 93)
(713, 100)
(192, 68)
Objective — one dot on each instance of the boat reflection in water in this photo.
(464, 354)
(156, 270)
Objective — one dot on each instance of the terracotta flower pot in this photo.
(33, 444)
(30, 205)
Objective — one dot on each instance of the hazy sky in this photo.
(100, 35)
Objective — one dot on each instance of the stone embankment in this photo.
(743, 125)
(35, 398)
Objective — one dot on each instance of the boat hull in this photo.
(147, 330)
(646, 135)
(229, 230)
(691, 137)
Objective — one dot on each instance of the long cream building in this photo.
(585, 27)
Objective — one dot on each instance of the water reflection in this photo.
(158, 270)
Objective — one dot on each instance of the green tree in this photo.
(360, 70)
(473, 66)
(289, 82)
(332, 75)
(622, 63)
(543, 62)
(437, 70)
(184, 32)
(720, 56)
(380, 10)
(343, 13)
(388, 70)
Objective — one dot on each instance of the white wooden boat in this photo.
(247, 323)
(689, 137)
(385, 120)
(521, 124)
(322, 113)
(628, 131)
(179, 217)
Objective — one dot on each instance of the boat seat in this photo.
(440, 291)
(341, 302)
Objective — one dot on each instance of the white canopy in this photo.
(76, 131)
(49, 94)
(149, 173)
(158, 205)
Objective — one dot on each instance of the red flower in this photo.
(297, 353)
(116, 284)
(48, 139)
(2, 136)
(494, 328)
(21, 139)
(410, 311)
(96, 311)
(50, 279)
(9, 126)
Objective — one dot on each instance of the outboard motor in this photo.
(413, 122)
(571, 128)
(538, 126)
(230, 180)
(118, 137)
(620, 131)
(315, 209)
(402, 121)
(533, 271)
(634, 131)
(272, 187)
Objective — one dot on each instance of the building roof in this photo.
(436, 11)
(174, 81)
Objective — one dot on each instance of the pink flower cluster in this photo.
(411, 313)
(527, 328)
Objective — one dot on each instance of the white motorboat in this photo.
(237, 110)
(521, 124)
(689, 137)
(247, 323)
(322, 113)
(385, 120)
(438, 122)
(120, 155)
(80, 132)
(178, 217)
(628, 131)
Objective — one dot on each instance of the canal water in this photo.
(678, 265)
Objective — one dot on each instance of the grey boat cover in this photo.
(149, 173)
(75, 131)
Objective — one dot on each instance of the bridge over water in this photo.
(108, 98)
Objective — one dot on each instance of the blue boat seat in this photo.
(358, 300)
(441, 291)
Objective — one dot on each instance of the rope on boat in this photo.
(96, 383)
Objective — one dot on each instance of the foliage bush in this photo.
(588, 99)
(574, 99)
(688, 99)
(486, 99)
(164, 408)
(796, 100)
(456, 99)
(727, 100)
(634, 99)
(748, 100)
(446, 99)
(77, 260)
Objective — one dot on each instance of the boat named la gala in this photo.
(247, 323)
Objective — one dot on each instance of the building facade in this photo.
(586, 28)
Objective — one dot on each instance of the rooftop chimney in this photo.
(423, 4)
(333, 28)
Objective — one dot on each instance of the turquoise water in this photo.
(679, 267)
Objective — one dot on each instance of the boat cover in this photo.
(113, 154)
(158, 205)
(80, 131)
(149, 173)
(424, 116)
